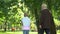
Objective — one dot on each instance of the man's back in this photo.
(45, 18)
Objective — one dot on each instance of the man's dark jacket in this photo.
(46, 21)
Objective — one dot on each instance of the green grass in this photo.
(18, 33)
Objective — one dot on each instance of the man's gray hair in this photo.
(44, 6)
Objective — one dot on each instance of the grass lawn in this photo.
(18, 33)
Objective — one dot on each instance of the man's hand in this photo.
(40, 26)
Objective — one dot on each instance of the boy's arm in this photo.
(21, 22)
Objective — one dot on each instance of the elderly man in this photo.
(45, 20)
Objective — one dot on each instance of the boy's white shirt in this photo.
(26, 21)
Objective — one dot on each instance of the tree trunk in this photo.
(5, 26)
(37, 19)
